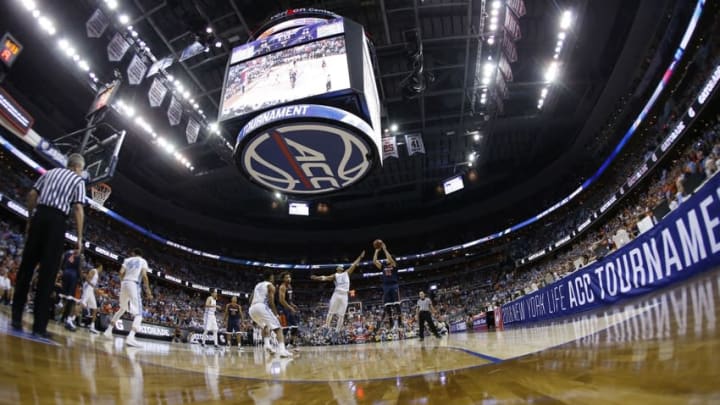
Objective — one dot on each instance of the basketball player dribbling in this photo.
(339, 300)
(390, 284)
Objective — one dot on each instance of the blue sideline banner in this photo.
(685, 243)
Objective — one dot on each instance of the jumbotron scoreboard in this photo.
(303, 92)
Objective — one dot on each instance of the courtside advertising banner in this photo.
(685, 243)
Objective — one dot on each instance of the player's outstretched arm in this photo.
(356, 263)
(388, 256)
(330, 277)
(376, 261)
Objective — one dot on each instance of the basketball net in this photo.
(100, 193)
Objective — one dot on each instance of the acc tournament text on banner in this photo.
(685, 243)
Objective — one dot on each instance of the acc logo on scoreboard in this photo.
(306, 149)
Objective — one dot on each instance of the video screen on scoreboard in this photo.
(286, 75)
(453, 184)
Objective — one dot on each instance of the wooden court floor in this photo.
(661, 349)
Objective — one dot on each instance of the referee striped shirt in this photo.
(60, 188)
(424, 304)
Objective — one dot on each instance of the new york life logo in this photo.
(306, 158)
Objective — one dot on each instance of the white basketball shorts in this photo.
(88, 298)
(338, 303)
(130, 297)
(263, 316)
(210, 322)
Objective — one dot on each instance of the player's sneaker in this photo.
(285, 353)
(93, 330)
(108, 332)
(269, 349)
(132, 342)
(70, 326)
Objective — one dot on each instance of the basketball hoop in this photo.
(100, 192)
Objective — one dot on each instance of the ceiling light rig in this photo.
(127, 110)
(47, 25)
(69, 49)
(553, 68)
(181, 92)
(495, 54)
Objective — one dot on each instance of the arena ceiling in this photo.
(522, 153)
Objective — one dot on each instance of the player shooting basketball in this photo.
(390, 283)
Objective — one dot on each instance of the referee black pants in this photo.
(44, 247)
(426, 317)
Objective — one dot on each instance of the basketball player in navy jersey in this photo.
(288, 310)
(233, 313)
(390, 284)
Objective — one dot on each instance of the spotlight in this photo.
(29, 5)
(209, 30)
(84, 65)
(476, 137)
(47, 25)
(491, 40)
(493, 27)
(562, 35)
(393, 127)
(112, 4)
(566, 20)
(218, 44)
(552, 72)
(124, 19)
(278, 195)
(496, 4)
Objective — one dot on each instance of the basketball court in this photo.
(657, 349)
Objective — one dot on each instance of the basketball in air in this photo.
(377, 244)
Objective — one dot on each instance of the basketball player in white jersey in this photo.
(88, 300)
(133, 272)
(263, 312)
(210, 320)
(339, 300)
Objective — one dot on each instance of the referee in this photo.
(424, 306)
(54, 194)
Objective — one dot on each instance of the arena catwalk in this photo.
(657, 349)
